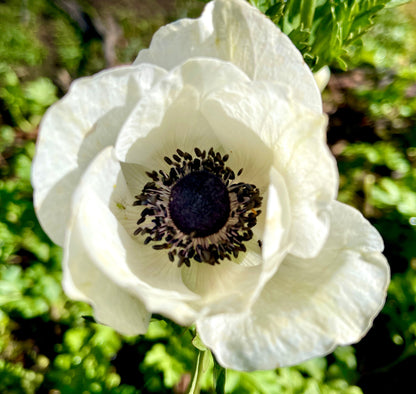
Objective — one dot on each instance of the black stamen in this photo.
(197, 209)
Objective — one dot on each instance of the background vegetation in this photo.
(46, 343)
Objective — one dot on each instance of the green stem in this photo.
(197, 373)
(307, 12)
(219, 378)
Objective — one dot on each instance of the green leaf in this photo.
(196, 341)
(323, 30)
(276, 11)
(89, 319)
(307, 11)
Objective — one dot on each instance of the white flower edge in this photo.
(310, 306)
(234, 31)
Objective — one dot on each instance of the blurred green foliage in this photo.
(19, 43)
(47, 342)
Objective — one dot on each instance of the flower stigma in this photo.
(198, 210)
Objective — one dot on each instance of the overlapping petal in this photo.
(296, 138)
(234, 31)
(75, 129)
(310, 305)
(97, 206)
(169, 117)
(83, 281)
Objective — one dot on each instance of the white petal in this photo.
(179, 41)
(135, 176)
(169, 117)
(74, 130)
(234, 31)
(311, 177)
(311, 305)
(224, 288)
(268, 127)
(276, 237)
(112, 305)
(236, 113)
(134, 268)
(233, 286)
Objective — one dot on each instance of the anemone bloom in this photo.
(197, 184)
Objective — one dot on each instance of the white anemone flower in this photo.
(197, 184)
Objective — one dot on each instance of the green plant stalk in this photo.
(197, 373)
(220, 375)
(307, 12)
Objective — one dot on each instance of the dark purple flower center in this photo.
(199, 204)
